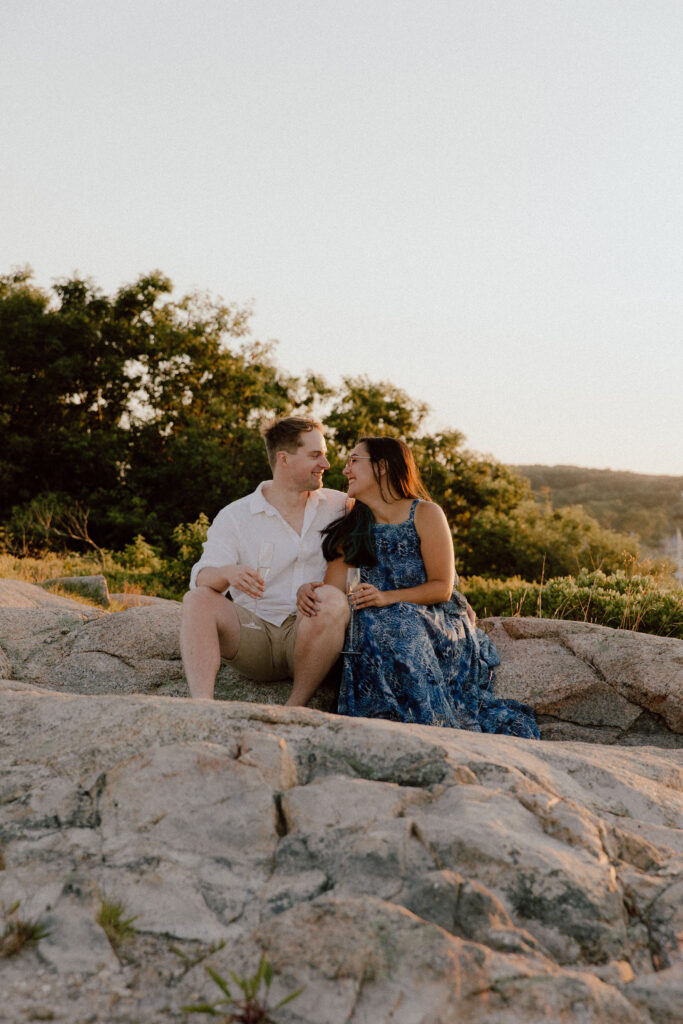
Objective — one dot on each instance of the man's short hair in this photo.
(285, 435)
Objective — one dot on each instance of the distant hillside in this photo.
(649, 506)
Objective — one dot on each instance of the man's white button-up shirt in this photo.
(236, 535)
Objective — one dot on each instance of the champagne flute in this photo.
(352, 581)
(265, 557)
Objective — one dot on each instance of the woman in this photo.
(419, 656)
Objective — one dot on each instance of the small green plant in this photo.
(18, 933)
(249, 1008)
(191, 961)
(111, 918)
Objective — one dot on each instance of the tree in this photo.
(125, 416)
(535, 540)
(137, 406)
(459, 480)
(464, 483)
(63, 391)
(364, 407)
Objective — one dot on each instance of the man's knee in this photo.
(195, 598)
(208, 604)
(201, 598)
(333, 606)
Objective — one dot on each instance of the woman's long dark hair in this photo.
(351, 534)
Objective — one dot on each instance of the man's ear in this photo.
(281, 458)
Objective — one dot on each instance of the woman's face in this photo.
(358, 471)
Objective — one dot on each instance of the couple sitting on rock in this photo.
(416, 654)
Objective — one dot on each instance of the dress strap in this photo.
(411, 517)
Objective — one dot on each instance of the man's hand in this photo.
(306, 600)
(246, 579)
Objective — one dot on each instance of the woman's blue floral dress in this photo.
(423, 663)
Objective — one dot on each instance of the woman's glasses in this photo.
(353, 459)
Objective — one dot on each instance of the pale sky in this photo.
(480, 201)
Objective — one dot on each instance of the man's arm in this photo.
(221, 553)
(241, 577)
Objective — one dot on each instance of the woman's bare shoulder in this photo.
(429, 513)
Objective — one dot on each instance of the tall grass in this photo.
(122, 577)
(637, 602)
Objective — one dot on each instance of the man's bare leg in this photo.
(319, 641)
(209, 630)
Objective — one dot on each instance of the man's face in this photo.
(307, 464)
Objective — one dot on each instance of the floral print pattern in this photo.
(423, 663)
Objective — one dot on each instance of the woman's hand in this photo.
(367, 596)
(306, 600)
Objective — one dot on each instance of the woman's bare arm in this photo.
(336, 573)
(436, 545)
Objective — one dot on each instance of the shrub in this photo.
(535, 541)
(141, 555)
(637, 602)
(189, 540)
(147, 578)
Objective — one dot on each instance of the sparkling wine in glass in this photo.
(265, 557)
(352, 581)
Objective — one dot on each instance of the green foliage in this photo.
(191, 961)
(622, 601)
(64, 391)
(464, 484)
(632, 601)
(649, 506)
(535, 541)
(145, 579)
(141, 555)
(251, 1007)
(111, 918)
(459, 480)
(134, 406)
(31, 528)
(188, 539)
(19, 933)
(363, 408)
(123, 416)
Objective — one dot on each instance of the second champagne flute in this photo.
(352, 581)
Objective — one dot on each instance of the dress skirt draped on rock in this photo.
(423, 663)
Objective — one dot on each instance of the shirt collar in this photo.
(258, 502)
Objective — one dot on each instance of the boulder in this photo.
(402, 874)
(591, 682)
(63, 644)
(20, 594)
(585, 682)
(92, 587)
(132, 600)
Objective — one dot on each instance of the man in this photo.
(288, 511)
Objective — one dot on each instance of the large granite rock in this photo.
(403, 874)
(591, 682)
(66, 645)
(585, 682)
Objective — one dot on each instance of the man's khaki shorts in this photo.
(265, 654)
